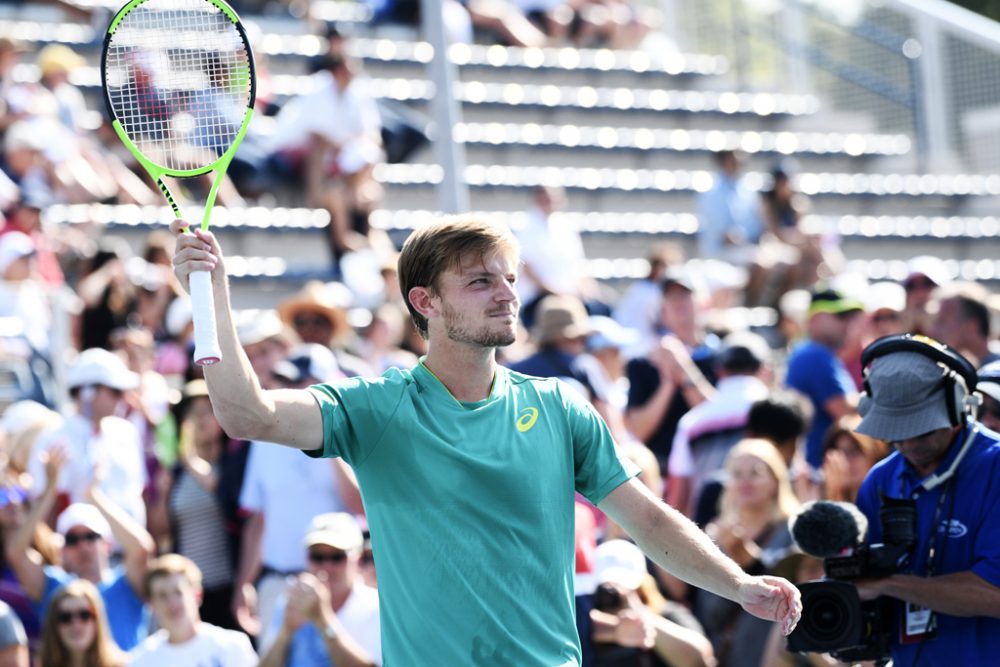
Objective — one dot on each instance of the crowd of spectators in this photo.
(134, 529)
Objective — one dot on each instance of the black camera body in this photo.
(834, 619)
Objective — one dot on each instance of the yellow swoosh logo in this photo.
(527, 419)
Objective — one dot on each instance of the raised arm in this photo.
(24, 560)
(137, 544)
(674, 542)
(244, 410)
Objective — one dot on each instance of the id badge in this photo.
(918, 624)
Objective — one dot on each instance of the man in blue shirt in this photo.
(815, 370)
(948, 590)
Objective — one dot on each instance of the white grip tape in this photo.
(206, 337)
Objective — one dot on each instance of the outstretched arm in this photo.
(23, 560)
(244, 410)
(677, 544)
(137, 544)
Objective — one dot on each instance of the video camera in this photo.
(834, 619)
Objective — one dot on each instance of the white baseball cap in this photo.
(620, 562)
(97, 366)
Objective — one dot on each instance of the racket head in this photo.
(179, 83)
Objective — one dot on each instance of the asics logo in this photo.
(527, 419)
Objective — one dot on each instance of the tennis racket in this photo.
(179, 83)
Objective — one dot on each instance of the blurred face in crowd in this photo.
(174, 601)
(200, 414)
(77, 623)
(989, 413)
(857, 463)
(950, 326)
(752, 482)
(84, 553)
(336, 568)
(678, 313)
(831, 329)
(313, 327)
(98, 401)
(263, 356)
(884, 322)
(476, 303)
(918, 291)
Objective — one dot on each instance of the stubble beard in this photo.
(459, 331)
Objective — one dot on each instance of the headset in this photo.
(958, 377)
(958, 374)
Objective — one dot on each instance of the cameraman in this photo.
(948, 589)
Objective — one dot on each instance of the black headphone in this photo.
(958, 376)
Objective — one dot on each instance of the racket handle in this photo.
(206, 337)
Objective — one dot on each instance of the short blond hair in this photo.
(433, 249)
(167, 566)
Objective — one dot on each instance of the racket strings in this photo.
(178, 78)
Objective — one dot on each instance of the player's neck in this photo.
(465, 372)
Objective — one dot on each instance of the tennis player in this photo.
(467, 469)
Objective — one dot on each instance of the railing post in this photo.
(932, 112)
(795, 29)
(453, 193)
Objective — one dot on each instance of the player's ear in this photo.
(423, 301)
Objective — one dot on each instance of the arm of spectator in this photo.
(91, 288)
(244, 410)
(839, 406)
(679, 493)
(24, 560)
(677, 544)
(137, 544)
(963, 594)
(342, 649)
(347, 486)
(249, 570)
(680, 646)
(643, 420)
(626, 628)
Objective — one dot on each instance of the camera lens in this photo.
(831, 617)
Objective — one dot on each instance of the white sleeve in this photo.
(680, 463)
(251, 497)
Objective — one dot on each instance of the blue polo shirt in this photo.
(817, 372)
(968, 539)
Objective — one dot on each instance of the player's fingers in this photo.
(179, 225)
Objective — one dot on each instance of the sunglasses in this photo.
(12, 494)
(73, 539)
(320, 558)
(67, 617)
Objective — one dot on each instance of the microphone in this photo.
(827, 529)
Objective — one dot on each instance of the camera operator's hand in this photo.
(869, 589)
(634, 630)
(773, 599)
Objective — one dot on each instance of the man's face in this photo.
(948, 325)
(174, 601)
(924, 452)
(84, 552)
(477, 304)
(678, 309)
(334, 567)
(989, 413)
(263, 356)
(918, 291)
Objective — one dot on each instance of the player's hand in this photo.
(773, 599)
(195, 251)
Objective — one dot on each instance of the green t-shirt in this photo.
(471, 511)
